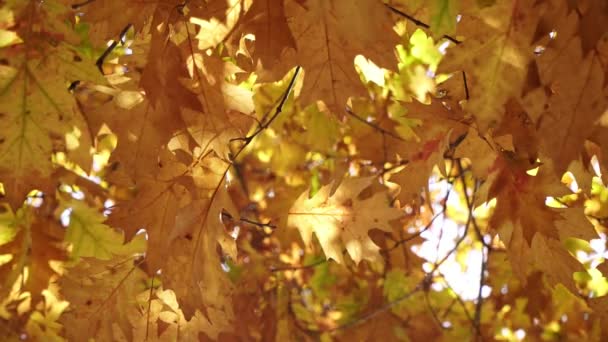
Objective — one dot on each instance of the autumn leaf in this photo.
(98, 291)
(579, 99)
(216, 20)
(341, 220)
(494, 56)
(443, 16)
(90, 237)
(39, 115)
(165, 310)
(267, 22)
(328, 39)
(43, 324)
(164, 166)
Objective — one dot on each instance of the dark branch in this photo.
(109, 49)
(484, 264)
(466, 85)
(259, 224)
(470, 205)
(411, 237)
(350, 112)
(457, 298)
(419, 23)
(80, 4)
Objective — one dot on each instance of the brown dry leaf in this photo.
(205, 286)
(274, 41)
(329, 35)
(46, 248)
(378, 142)
(39, 116)
(101, 296)
(225, 108)
(163, 72)
(494, 56)
(185, 231)
(153, 207)
(217, 20)
(574, 223)
(554, 260)
(479, 151)
(110, 18)
(141, 131)
(577, 99)
(414, 177)
(530, 229)
(221, 263)
(519, 126)
(35, 241)
(163, 310)
(209, 81)
(342, 220)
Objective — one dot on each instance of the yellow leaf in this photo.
(90, 237)
(329, 35)
(342, 220)
(495, 56)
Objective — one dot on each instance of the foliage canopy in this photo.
(303, 169)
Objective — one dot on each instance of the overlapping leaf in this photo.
(341, 220)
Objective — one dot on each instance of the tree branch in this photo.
(418, 22)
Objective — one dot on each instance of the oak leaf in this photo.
(328, 38)
(342, 220)
(530, 229)
(217, 19)
(164, 310)
(33, 241)
(43, 323)
(577, 99)
(273, 42)
(443, 16)
(101, 294)
(109, 18)
(89, 236)
(39, 115)
(494, 56)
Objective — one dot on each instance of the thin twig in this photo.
(458, 242)
(457, 297)
(466, 85)
(259, 224)
(350, 112)
(149, 307)
(477, 319)
(419, 23)
(234, 157)
(81, 4)
(470, 202)
(378, 311)
(111, 47)
(263, 125)
(433, 313)
(411, 237)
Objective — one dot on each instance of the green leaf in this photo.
(397, 284)
(320, 129)
(443, 17)
(322, 279)
(8, 224)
